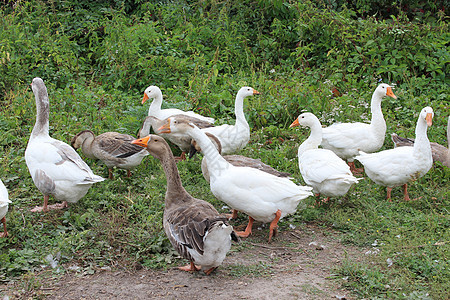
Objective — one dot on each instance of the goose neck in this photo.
(155, 106)
(41, 126)
(239, 110)
(214, 160)
(175, 189)
(313, 141)
(421, 143)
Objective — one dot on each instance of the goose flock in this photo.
(193, 226)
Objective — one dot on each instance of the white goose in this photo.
(112, 148)
(234, 137)
(56, 168)
(346, 139)
(154, 92)
(4, 202)
(440, 153)
(322, 169)
(262, 196)
(401, 165)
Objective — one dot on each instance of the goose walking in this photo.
(194, 227)
(322, 169)
(112, 148)
(56, 168)
(347, 139)
(398, 166)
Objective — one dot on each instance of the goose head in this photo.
(154, 144)
(150, 93)
(247, 91)
(384, 90)
(427, 115)
(305, 119)
(176, 125)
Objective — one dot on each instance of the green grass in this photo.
(118, 223)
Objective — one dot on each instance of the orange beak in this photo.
(255, 92)
(429, 119)
(142, 142)
(294, 124)
(165, 128)
(390, 93)
(145, 98)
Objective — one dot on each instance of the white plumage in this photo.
(401, 165)
(4, 203)
(322, 169)
(56, 168)
(347, 139)
(154, 92)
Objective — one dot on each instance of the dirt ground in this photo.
(288, 268)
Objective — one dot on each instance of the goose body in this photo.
(193, 226)
(401, 165)
(234, 137)
(262, 196)
(347, 139)
(55, 167)
(112, 148)
(154, 92)
(439, 152)
(322, 169)
(4, 203)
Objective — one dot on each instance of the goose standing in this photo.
(235, 137)
(154, 92)
(4, 202)
(262, 196)
(401, 165)
(322, 169)
(56, 168)
(194, 227)
(112, 148)
(439, 152)
(347, 139)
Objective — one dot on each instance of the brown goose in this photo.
(193, 226)
(439, 152)
(112, 148)
(181, 140)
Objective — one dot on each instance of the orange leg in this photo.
(248, 230)
(388, 197)
(181, 157)
(110, 174)
(209, 271)
(405, 192)
(353, 169)
(274, 225)
(190, 268)
(4, 233)
(233, 215)
(128, 173)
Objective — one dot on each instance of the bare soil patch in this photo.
(288, 268)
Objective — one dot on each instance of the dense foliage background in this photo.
(327, 57)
